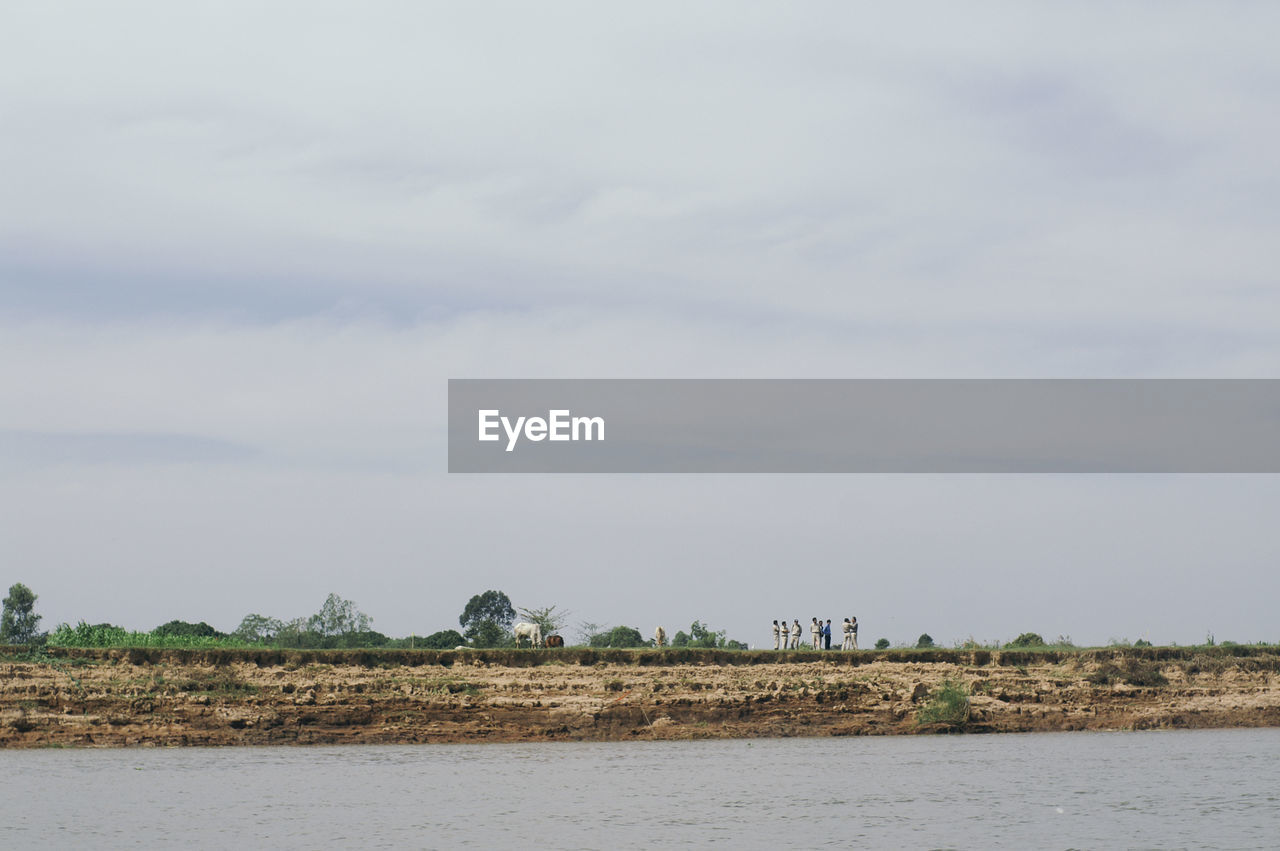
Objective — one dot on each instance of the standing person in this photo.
(853, 633)
(826, 635)
(848, 632)
(815, 629)
(795, 635)
(785, 632)
(775, 635)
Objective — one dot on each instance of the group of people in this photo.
(788, 637)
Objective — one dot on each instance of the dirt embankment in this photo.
(171, 697)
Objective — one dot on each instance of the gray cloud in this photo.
(242, 248)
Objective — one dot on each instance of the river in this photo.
(1204, 789)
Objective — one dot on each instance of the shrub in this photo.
(184, 628)
(1027, 639)
(445, 639)
(619, 636)
(882, 644)
(1142, 642)
(925, 641)
(948, 705)
(1134, 672)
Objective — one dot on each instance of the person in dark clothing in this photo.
(826, 634)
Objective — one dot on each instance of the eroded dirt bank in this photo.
(76, 697)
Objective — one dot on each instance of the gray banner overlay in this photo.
(864, 426)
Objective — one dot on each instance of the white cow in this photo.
(660, 637)
(531, 631)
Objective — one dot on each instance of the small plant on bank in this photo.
(947, 706)
(1142, 642)
(1027, 639)
(1133, 672)
(882, 644)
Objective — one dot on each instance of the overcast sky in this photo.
(243, 247)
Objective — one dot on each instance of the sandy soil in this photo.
(123, 698)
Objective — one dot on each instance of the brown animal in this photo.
(555, 641)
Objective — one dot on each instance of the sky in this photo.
(244, 247)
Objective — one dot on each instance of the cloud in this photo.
(245, 247)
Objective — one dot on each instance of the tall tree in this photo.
(548, 619)
(487, 618)
(19, 622)
(257, 629)
(339, 617)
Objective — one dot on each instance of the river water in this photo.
(1212, 788)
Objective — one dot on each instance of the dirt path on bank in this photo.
(100, 698)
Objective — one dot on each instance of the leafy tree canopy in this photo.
(201, 629)
(445, 639)
(339, 617)
(492, 606)
(486, 633)
(257, 629)
(702, 636)
(1027, 639)
(924, 641)
(18, 622)
(619, 636)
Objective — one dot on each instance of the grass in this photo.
(1131, 671)
(946, 707)
(102, 635)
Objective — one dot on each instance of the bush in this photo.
(948, 705)
(925, 641)
(1134, 672)
(619, 636)
(445, 639)
(1027, 639)
(700, 635)
(1142, 642)
(183, 628)
(882, 644)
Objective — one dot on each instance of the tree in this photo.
(702, 636)
(201, 630)
(882, 644)
(548, 619)
(619, 636)
(1027, 639)
(925, 641)
(487, 634)
(487, 618)
(19, 622)
(588, 630)
(338, 617)
(445, 639)
(296, 633)
(258, 629)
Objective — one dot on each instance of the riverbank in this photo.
(129, 697)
